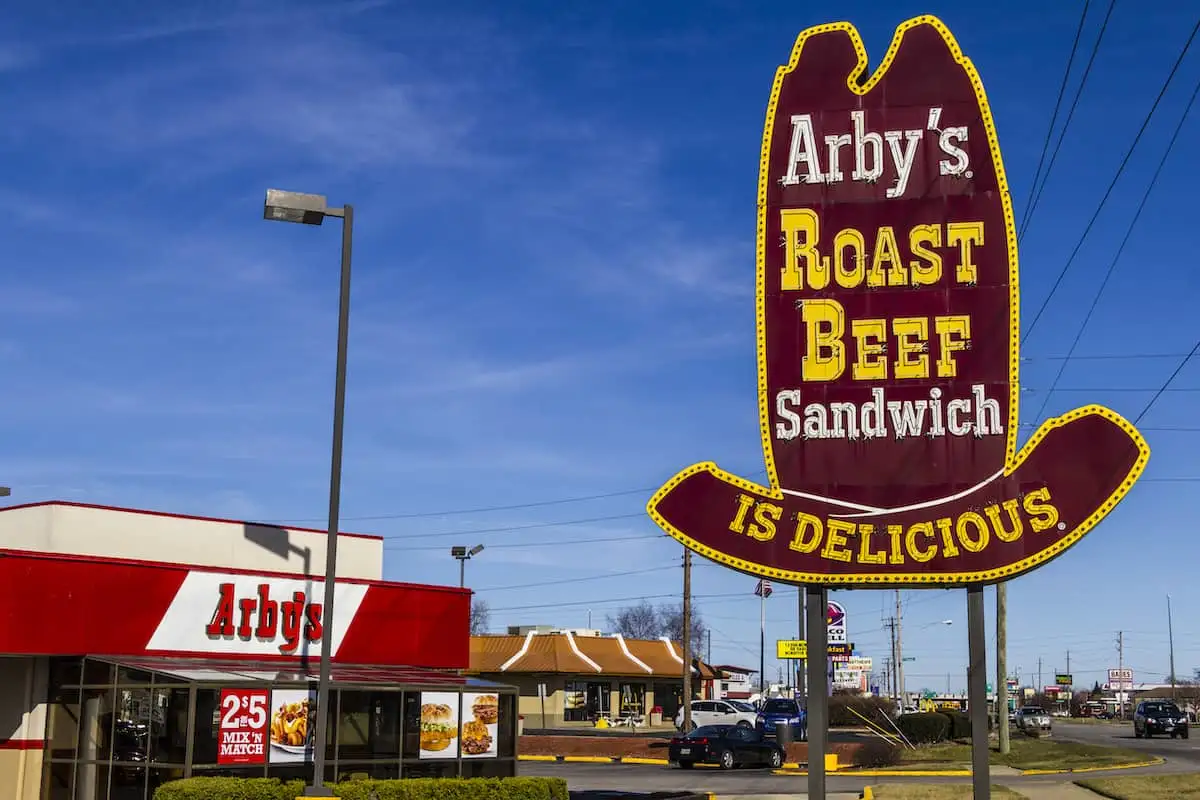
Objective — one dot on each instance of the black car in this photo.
(726, 745)
(1159, 716)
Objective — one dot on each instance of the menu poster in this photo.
(242, 727)
(480, 714)
(293, 725)
(439, 725)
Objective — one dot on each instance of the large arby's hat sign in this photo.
(888, 343)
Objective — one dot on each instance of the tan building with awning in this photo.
(569, 680)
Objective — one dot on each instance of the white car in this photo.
(719, 712)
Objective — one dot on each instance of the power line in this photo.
(1112, 357)
(1087, 70)
(1167, 382)
(514, 528)
(551, 543)
(1137, 215)
(1120, 171)
(1054, 117)
(489, 509)
(539, 584)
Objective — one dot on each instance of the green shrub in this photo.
(924, 728)
(404, 789)
(960, 724)
(842, 708)
(229, 789)
(875, 753)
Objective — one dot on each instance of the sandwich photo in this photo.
(486, 708)
(437, 727)
(476, 740)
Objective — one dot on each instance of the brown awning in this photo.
(559, 653)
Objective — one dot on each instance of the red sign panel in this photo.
(242, 732)
(888, 343)
(64, 605)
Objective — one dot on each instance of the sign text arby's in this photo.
(888, 343)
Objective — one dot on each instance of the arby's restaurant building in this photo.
(139, 647)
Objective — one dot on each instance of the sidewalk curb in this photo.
(1133, 765)
(660, 762)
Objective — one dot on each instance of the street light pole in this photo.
(463, 554)
(311, 210)
(1171, 644)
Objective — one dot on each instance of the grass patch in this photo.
(935, 791)
(1026, 754)
(1147, 787)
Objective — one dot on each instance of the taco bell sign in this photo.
(887, 306)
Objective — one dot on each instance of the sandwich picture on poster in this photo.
(439, 725)
(293, 724)
(481, 713)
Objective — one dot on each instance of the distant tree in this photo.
(481, 617)
(636, 622)
(670, 624)
(1096, 692)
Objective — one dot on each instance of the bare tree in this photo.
(636, 622)
(670, 624)
(481, 617)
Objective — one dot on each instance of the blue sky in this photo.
(553, 293)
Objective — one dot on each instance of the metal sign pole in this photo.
(818, 692)
(977, 694)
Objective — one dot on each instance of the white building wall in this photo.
(22, 726)
(145, 536)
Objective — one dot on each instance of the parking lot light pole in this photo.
(463, 555)
(311, 209)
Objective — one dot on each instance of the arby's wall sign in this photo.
(887, 306)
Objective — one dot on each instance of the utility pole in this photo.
(1120, 666)
(1071, 687)
(1039, 683)
(762, 639)
(891, 673)
(1002, 666)
(899, 654)
(1171, 640)
(687, 640)
(801, 678)
(708, 650)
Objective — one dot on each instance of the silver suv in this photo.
(1033, 719)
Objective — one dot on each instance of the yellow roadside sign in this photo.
(791, 649)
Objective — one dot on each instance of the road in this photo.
(1181, 754)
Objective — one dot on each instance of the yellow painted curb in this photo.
(537, 758)
(1133, 765)
(590, 759)
(868, 793)
(792, 765)
(659, 761)
(909, 773)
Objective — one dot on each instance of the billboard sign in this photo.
(858, 664)
(1121, 678)
(887, 319)
(1063, 679)
(788, 649)
(835, 620)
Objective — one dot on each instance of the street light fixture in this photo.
(462, 554)
(5, 491)
(311, 209)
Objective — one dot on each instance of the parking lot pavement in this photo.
(1181, 754)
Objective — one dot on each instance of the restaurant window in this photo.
(168, 726)
(429, 769)
(96, 673)
(62, 724)
(487, 768)
(669, 697)
(91, 782)
(633, 699)
(575, 705)
(65, 672)
(506, 744)
(56, 781)
(96, 725)
(368, 726)
(131, 728)
(207, 722)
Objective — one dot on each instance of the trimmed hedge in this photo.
(873, 708)
(403, 789)
(924, 728)
(960, 725)
(875, 753)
